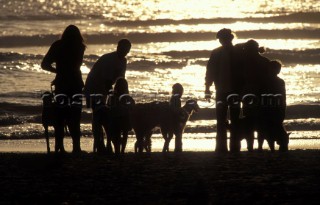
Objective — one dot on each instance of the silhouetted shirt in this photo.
(219, 69)
(274, 106)
(255, 73)
(104, 73)
(175, 101)
(68, 59)
(224, 69)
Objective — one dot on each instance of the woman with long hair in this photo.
(67, 54)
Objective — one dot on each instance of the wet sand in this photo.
(156, 178)
(191, 143)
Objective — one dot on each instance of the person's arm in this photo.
(284, 97)
(49, 59)
(210, 74)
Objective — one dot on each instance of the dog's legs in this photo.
(139, 143)
(46, 133)
(116, 137)
(260, 141)
(235, 139)
(166, 143)
(124, 141)
(271, 144)
(147, 142)
(283, 147)
(59, 135)
(235, 145)
(165, 136)
(97, 128)
(284, 141)
(170, 136)
(250, 141)
(109, 145)
(178, 142)
(136, 147)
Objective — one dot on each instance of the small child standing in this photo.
(177, 92)
(119, 123)
(273, 108)
(175, 106)
(276, 87)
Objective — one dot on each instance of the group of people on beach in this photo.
(244, 78)
(240, 74)
(67, 54)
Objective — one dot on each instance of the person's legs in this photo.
(116, 140)
(74, 127)
(59, 129)
(221, 114)
(99, 122)
(97, 130)
(124, 140)
(178, 142)
(251, 113)
(235, 138)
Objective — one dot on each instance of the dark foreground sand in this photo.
(156, 178)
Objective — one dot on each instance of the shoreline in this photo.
(157, 178)
(296, 111)
(190, 144)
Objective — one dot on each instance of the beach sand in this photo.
(157, 178)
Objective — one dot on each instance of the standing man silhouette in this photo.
(224, 71)
(101, 77)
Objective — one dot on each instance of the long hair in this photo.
(72, 35)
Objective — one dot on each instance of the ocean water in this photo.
(171, 41)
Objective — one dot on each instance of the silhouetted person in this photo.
(255, 68)
(67, 54)
(276, 86)
(273, 107)
(175, 105)
(177, 92)
(101, 77)
(224, 70)
(255, 76)
(119, 123)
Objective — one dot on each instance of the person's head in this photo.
(72, 35)
(274, 67)
(251, 46)
(124, 46)
(177, 88)
(121, 86)
(225, 36)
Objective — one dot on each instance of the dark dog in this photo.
(269, 131)
(180, 118)
(243, 128)
(116, 122)
(147, 116)
(48, 115)
(273, 132)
